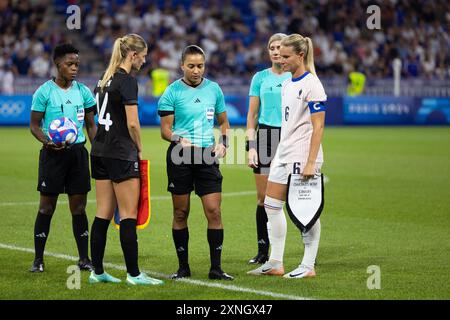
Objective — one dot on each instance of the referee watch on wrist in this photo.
(224, 140)
(250, 144)
(176, 138)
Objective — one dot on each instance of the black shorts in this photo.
(64, 171)
(114, 169)
(183, 178)
(267, 139)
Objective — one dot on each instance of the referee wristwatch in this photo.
(250, 144)
(224, 140)
(176, 138)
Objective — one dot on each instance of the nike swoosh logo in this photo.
(297, 274)
(265, 270)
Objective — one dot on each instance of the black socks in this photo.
(261, 229)
(128, 240)
(215, 240)
(81, 233)
(99, 231)
(41, 230)
(181, 239)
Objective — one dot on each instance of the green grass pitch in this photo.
(387, 203)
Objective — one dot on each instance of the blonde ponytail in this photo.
(130, 42)
(114, 63)
(310, 57)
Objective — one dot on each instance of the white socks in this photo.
(311, 241)
(277, 227)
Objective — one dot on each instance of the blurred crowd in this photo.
(234, 34)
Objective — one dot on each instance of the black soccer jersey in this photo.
(113, 139)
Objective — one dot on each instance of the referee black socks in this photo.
(181, 240)
(81, 233)
(261, 229)
(41, 230)
(215, 240)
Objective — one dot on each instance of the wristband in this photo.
(250, 144)
(224, 140)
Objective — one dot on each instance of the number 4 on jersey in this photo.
(106, 121)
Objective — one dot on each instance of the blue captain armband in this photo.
(316, 106)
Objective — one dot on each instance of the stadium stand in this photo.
(234, 34)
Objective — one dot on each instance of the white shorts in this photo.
(279, 172)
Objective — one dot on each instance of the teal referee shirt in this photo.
(267, 86)
(56, 102)
(194, 109)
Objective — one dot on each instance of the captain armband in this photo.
(316, 106)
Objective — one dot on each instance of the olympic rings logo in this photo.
(11, 108)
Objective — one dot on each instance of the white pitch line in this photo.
(162, 275)
(156, 198)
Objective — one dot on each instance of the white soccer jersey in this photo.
(298, 97)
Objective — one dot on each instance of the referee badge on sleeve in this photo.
(80, 114)
(209, 113)
(305, 200)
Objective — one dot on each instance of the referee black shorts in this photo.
(267, 139)
(64, 171)
(197, 174)
(114, 169)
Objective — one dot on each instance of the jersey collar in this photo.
(53, 81)
(122, 70)
(301, 77)
(194, 87)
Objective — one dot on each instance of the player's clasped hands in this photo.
(53, 146)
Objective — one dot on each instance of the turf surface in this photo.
(387, 204)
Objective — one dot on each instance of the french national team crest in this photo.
(144, 206)
(305, 200)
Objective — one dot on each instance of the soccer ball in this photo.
(63, 130)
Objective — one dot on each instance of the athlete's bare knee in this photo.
(214, 217)
(180, 215)
(260, 201)
(78, 209)
(46, 209)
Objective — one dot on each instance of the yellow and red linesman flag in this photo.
(144, 206)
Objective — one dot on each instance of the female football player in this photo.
(115, 156)
(264, 113)
(303, 119)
